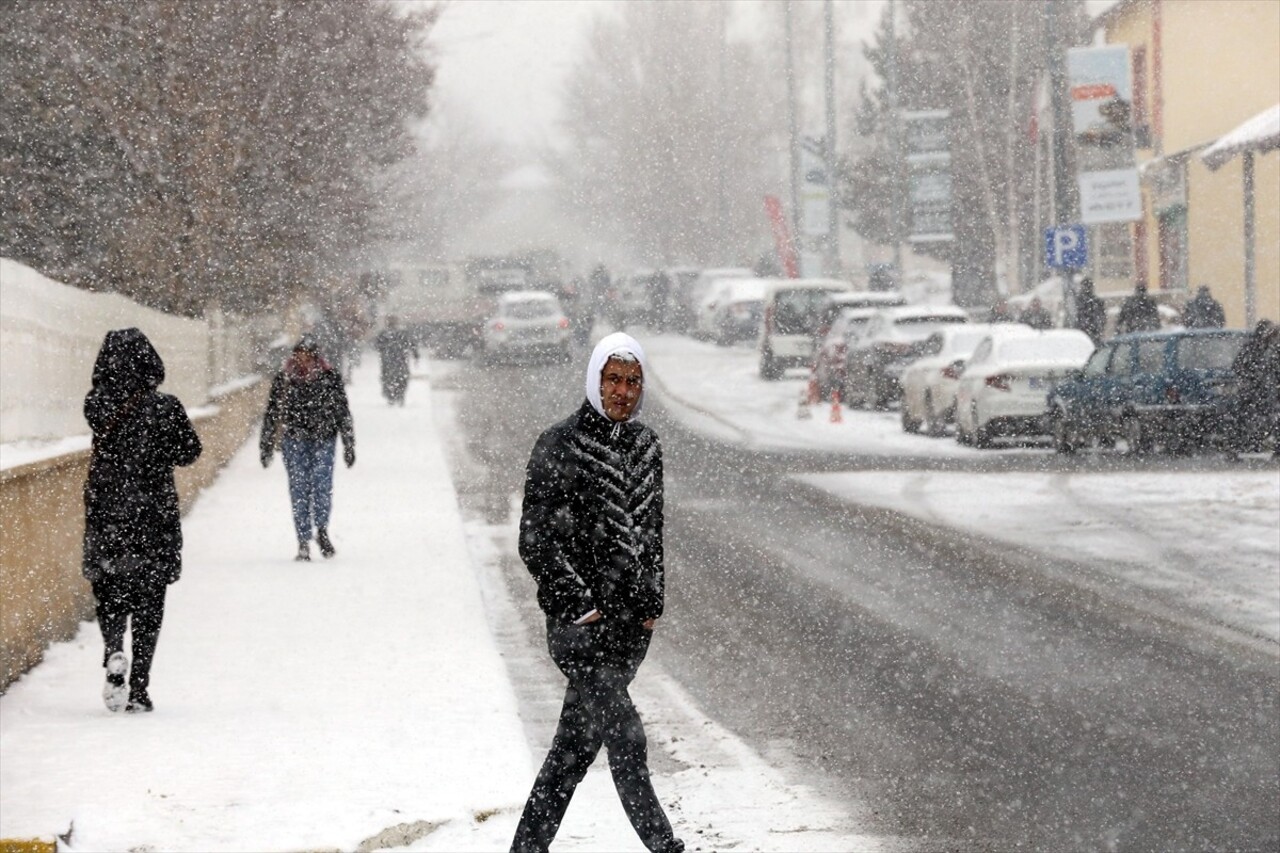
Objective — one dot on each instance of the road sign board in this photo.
(1065, 247)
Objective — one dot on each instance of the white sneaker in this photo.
(115, 692)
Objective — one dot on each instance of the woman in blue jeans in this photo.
(307, 411)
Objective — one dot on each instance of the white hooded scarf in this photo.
(610, 345)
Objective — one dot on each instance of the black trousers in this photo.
(140, 596)
(600, 660)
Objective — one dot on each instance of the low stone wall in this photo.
(45, 598)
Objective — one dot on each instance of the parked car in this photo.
(1004, 388)
(842, 300)
(833, 348)
(792, 314)
(1154, 388)
(679, 316)
(634, 301)
(708, 314)
(526, 323)
(738, 316)
(892, 341)
(692, 296)
(929, 383)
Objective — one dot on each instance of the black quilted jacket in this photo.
(591, 530)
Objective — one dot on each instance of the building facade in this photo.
(1200, 68)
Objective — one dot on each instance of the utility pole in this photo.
(895, 143)
(1066, 200)
(722, 206)
(792, 124)
(832, 246)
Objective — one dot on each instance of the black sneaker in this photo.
(139, 703)
(304, 553)
(115, 695)
(326, 547)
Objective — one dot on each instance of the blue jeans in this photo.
(309, 465)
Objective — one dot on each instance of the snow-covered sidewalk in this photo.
(360, 703)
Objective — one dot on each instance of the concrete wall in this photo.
(45, 598)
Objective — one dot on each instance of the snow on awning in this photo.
(1259, 134)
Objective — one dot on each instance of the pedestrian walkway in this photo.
(299, 706)
(360, 703)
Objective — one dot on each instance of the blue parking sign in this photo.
(1065, 247)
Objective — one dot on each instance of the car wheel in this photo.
(769, 367)
(933, 424)
(981, 435)
(856, 391)
(1136, 437)
(909, 424)
(1064, 441)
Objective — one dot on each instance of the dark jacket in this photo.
(1091, 315)
(1138, 313)
(310, 407)
(139, 435)
(591, 531)
(1203, 312)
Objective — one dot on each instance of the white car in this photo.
(892, 341)
(793, 309)
(709, 314)
(833, 348)
(526, 323)
(1005, 384)
(701, 289)
(929, 383)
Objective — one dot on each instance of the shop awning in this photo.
(1259, 134)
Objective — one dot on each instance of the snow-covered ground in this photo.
(354, 704)
(1203, 540)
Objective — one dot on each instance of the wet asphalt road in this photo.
(968, 698)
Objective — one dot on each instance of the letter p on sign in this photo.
(1065, 248)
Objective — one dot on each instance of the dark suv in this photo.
(1151, 388)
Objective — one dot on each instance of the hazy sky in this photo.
(503, 61)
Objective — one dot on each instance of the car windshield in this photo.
(1214, 352)
(530, 309)
(1036, 348)
(798, 312)
(919, 328)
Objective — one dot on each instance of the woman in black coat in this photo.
(132, 530)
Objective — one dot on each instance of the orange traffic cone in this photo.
(837, 417)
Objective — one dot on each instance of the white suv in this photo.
(793, 312)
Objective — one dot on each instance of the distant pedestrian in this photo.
(306, 411)
(1257, 404)
(132, 529)
(591, 536)
(1036, 316)
(1000, 312)
(1091, 314)
(1138, 313)
(1203, 311)
(394, 348)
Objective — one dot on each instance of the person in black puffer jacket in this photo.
(132, 530)
(591, 536)
(308, 404)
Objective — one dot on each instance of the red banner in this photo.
(782, 237)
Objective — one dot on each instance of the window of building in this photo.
(1112, 248)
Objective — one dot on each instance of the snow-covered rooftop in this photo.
(1259, 134)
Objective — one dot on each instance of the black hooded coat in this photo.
(140, 435)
